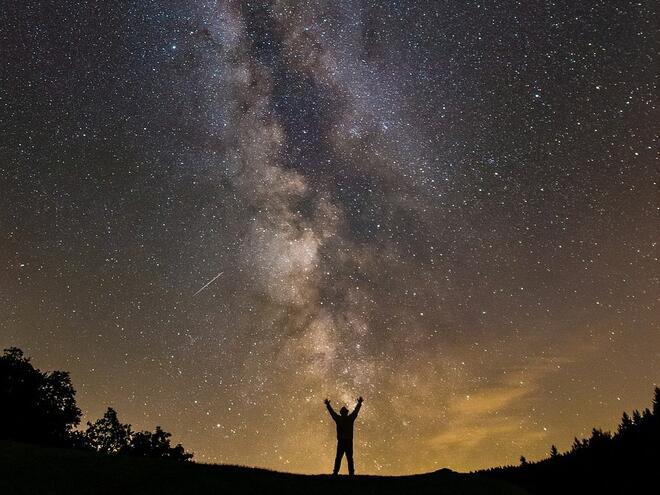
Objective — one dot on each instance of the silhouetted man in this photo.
(344, 434)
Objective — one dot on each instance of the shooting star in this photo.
(207, 284)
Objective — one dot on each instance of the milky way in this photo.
(449, 208)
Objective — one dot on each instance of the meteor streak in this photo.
(207, 284)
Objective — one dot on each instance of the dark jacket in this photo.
(344, 423)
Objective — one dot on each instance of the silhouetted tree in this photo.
(111, 436)
(599, 438)
(523, 460)
(553, 451)
(656, 402)
(108, 434)
(636, 418)
(646, 415)
(157, 444)
(579, 444)
(35, 406)
(626, 423)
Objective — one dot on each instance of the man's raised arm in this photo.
(330, 409)
(357, 408)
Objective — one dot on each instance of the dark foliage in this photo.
(109, 436)
(603, 463)
(157, 444)
(41, 408)
(36, 406)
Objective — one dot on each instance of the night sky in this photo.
(448, 207)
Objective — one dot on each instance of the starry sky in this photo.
(447, 207)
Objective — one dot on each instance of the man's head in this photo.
(343, 411)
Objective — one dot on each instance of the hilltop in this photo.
(30, 469)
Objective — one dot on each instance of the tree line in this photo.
(40, 407)
(605, 462)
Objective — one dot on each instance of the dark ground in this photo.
(28, 469)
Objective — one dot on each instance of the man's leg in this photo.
(340, 453)
(349, 459)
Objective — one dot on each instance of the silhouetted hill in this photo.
(29, 469)
(612, 469)
(623, 462)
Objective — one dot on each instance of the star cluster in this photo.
(447, 207)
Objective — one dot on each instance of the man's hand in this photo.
(326, 402)
(360, 399)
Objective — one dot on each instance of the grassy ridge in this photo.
(28, 469)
